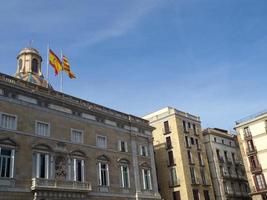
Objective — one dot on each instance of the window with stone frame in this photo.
(103, 171)
(7, 157)
(76, 136)
(122, 146)
(101, 141)
(8, 121)
(125, 173)
(42, 128)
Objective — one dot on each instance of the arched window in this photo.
(20, 64)
(34, 65)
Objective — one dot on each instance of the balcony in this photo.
(196, 181)
(174, 183)
(255, 190)
(46, 184)
(166, 131)
(251, 151)
(248, 136)
(256, 169)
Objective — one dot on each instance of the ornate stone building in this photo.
(182, 166)
(55, 146)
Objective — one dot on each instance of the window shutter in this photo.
(52, 167)
(107, 174)
(119, 145)
(122, 177)
(74, 169)
(99, 173)
(126, 147)
(128, 174)
(143, 175)
(82, 170)
(12, 163)
(38, 165)
(146, 151)
(149, 180)
(46, 166)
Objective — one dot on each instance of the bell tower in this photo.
(29, 67)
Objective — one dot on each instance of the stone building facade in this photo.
(252, 138)
(55, 146)
(226, 166)
(181, 162)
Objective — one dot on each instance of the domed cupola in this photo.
(29, 67)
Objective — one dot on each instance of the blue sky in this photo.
(206, 57)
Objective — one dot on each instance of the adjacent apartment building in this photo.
(181, 162)
(55, 146)
(252, 138)
(226, 166)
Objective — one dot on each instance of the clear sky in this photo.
(205, 57)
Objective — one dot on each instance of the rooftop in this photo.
(167, 111)
(251, 117)
(36, 89)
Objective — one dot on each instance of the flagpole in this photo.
(47, 63)
(61, 88)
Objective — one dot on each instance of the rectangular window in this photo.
(192, 173)
(42, 128)
(78, 169)
(187, 143)
(247, 132)
(143, 150)
(201, 162)
(76, 136)
(171, 159)
(195, 129)
(196, 194)
(103, 174)
(185, 127)
(233, 157)
(8, 121)
(260, 182)
(168, 142)
(166, 127)
(192, 141)
(198, 146)
(42, 165)
(123, 147)
(147, 183)
(173, 176)
(203, 176)
(190, 158)
(206, 195)
(125, 177)
(176, 195)
(250, 145)
(7, 162)
(101, 142)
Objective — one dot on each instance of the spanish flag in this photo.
(66, 67)
(55, 62)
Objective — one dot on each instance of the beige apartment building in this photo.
(252, 138)
(181, 162)
(55, 146)
(226, 166)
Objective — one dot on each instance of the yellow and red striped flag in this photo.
(66, 67)
(55, 62)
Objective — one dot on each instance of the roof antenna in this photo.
(30, 43)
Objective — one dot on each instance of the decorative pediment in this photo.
(42, 146)
(144, 165)
(78, 153)
(7, 141)
(123, 161)
(103, 158)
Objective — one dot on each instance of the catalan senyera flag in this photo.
(55, 62)
(66, 67)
